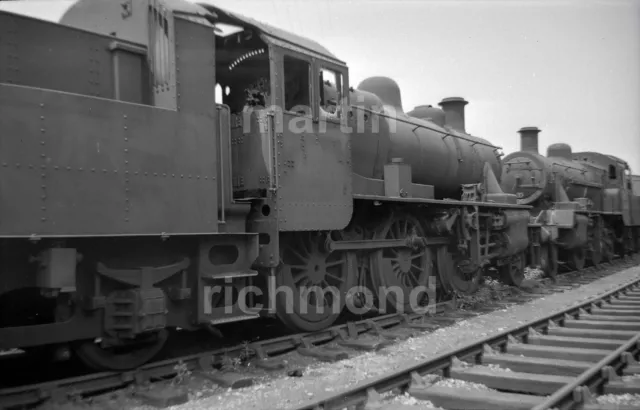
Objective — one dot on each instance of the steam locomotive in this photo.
(585, 201)
(134, 203)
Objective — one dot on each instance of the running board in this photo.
(232, 275)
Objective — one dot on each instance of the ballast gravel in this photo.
(324, 379)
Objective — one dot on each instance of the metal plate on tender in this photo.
(91, 166)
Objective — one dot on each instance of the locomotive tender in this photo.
(140, 204)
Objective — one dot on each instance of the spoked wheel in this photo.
(459, 273)
(120, 357)
(315, 281)
(549, 260)
(596, 251)
(512, 273)
(577, 258)
(402, 274)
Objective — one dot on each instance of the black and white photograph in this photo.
(319, 204)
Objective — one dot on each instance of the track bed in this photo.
(288, 363)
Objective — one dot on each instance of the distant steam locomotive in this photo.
(584, 200)
(134, 203)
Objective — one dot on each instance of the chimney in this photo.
(529, 139)
(453, 108)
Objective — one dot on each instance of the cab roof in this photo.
(275, 35)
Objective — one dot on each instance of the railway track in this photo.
(363, 335)
(561, 361)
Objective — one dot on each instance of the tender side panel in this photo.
(77, 165)
(45, 55)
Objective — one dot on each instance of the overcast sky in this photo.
(571, 68)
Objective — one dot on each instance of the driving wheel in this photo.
(401, 275)
(512, 272)
(313, 282)
(124, 357)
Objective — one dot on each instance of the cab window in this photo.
(330, 91)
(612, 172)
(297, 97)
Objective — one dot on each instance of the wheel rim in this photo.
(629, 242)
(550, 252)
(512, 273)
(607, 247)
(596, 251)
(121, 358)
(577, 258)
(402, 274)
(316, 282)
(441, 263)
(459, 274)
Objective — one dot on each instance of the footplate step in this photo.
(399, 406)
(366, 344)
(520, 299)
(456, 398)
(229, 379)
(458, 314)
(163, 396)
(488, 308)
(423, 325)
(608, 406)
(324, 354)
(622, 387)
(442, 320)
(270, 364)
(395, 334)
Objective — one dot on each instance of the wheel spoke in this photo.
(418, 255)
(397, 232)
(334, 277)
(298, 255)
(299, 278)
(405, 268)
(412, 279)
(336, 263)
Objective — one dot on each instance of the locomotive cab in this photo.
(284, 94)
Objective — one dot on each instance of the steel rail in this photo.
(88, 384)
(444, 361)
(565, 397)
